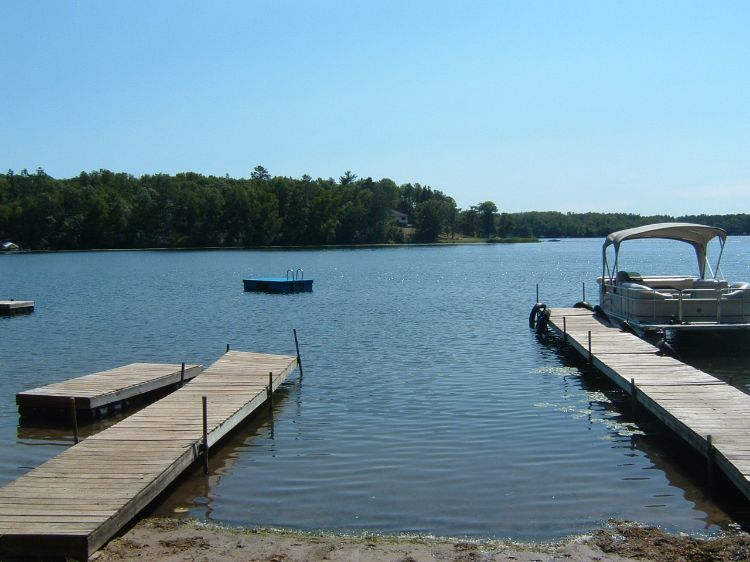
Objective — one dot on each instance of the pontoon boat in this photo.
(673, 303)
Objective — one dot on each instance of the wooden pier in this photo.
(99, 392)
(74, 503)
(707, 413)
(10, 308)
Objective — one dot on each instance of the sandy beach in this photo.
(177, 540)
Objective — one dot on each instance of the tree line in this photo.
(104, 209)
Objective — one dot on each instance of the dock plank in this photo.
(690, 402)
(107, 479)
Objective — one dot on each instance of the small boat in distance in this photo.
(294, 282)
(672, 303)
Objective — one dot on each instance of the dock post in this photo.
(565, 330)
(182, 374)
(633, 398)
(299, 359)
(205, 434)
(270, 389)
(227, 348)
(590, 355)
(537, 292)
(710, 461)
(74, 415)
(583, 284)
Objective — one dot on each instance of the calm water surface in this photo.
(427, 404)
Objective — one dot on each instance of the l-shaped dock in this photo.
(707, 413)
(72, 504)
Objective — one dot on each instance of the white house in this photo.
(402, 219)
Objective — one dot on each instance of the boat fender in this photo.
(583, 304)
(665, 348)
(534, 312)
(542, 319)
(599, 313)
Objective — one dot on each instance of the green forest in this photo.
(104, 209)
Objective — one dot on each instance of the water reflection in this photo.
(646, 438)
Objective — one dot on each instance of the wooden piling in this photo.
(204, 400)
(74, 419)
(299, 358)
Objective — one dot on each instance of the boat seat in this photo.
(739, 290)
(628, 276)
(710, 284)
(638, 291)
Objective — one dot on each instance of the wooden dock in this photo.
(707, 413)
(10, 308)
(99, 392)
(74, 503)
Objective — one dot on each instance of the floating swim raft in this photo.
(294, 282)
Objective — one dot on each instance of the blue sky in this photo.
(574, 106)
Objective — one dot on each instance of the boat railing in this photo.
(727, 304)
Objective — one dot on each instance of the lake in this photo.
(427, 405)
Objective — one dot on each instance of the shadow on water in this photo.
(725, 355)
(684, 468)
(191, 494)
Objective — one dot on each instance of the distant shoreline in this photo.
(275, 247)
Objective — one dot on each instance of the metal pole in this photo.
(299, 358)
(584, 291)
(74, 415)
(182, 374)
(227, 348)
(565, 329)
(633, 398)
(205, 435)
(537, 292)
(270, 389)
(590, 356)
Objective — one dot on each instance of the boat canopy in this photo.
(697, 235)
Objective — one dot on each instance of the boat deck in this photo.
(99, 391)
(707, 413)
(72, 504)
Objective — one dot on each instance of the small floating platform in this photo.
(278, 285)
(74, 503)
(99, 392)
(10, 308)
(294, 282)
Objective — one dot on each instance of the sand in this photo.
(175, 540)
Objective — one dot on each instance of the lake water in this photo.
(427, 405)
